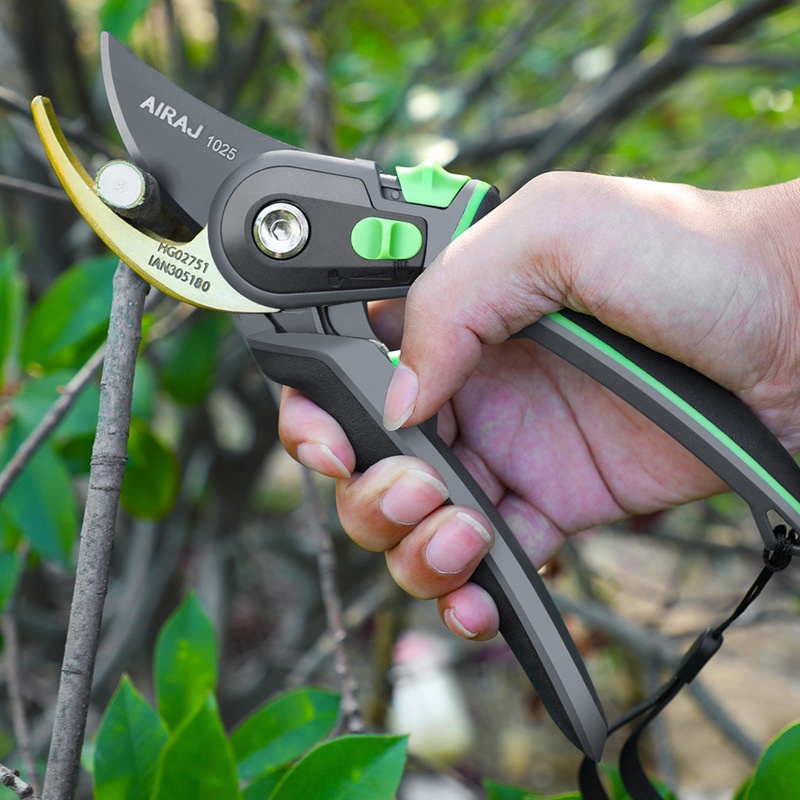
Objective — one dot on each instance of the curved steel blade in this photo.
(188, 146)
(185, 270)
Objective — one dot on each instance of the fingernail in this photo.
(320, 458)
(413, 496)
(400, 398)
(457, 544)
(455, 625)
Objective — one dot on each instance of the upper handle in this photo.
(707, 419)
(356, 233)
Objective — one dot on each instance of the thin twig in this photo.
(109, 455)
(355, 615)
(50, 421)
(352, 720)
(77, 131)
(20, 186)
(72, 391)
(9, 778)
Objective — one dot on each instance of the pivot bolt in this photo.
(280, 230)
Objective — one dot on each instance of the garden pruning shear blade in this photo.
(295, 243)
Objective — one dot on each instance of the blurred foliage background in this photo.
(679, 90)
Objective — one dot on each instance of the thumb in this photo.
(493, 281)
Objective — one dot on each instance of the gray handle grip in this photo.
(348, 377)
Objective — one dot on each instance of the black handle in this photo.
(348, 377)
(700, 414)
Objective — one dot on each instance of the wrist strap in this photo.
(704, 648)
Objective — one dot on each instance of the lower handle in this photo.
(348, 378)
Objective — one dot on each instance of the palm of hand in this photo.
(557, 453)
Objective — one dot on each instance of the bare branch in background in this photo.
(78, 132)
(109, 456)
(50, 421)
(548, 134)
(12, 660)
(20, 186)
(316, 113)
(352, 719)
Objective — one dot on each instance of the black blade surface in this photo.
(187, 145)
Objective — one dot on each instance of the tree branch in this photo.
(109, 455)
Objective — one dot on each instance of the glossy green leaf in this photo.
(360, 767)
(197, 762)
(11, 303)
(129, 740)
(188, 370)
(152, 475)
(118, 17)
(70, 321)
(185, 663)
(778, 770)
(282, 730)
(502, 791)
(40, 506)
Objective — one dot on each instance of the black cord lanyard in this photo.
(705, 646)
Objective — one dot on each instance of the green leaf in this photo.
(743, 792)
(70, 321)
(359, 767)
(10, 571)
(40, 506)
(152, 475)
(37, 396)
(119, 17)
(502, 791)
(778, 770)
(12, 298)
(189, 368)
(263, 787)
(129, 740)
(197, 762)
(185, 663)
(145, 390)
(282, 730)
(618, 790)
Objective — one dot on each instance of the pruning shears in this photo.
(296, 243)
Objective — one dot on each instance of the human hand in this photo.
(705, 277)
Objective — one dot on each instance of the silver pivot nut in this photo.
(280, 230)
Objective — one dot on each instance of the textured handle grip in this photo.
(348, 378)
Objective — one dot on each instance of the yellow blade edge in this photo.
(185, 270)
